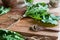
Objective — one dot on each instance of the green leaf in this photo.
(40, 12)
(4, 10)
(30, 1)
(10, 35)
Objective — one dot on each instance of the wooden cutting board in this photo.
(24, 24)
(23, 27)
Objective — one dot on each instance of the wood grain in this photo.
(9, 18)
(23, 25)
